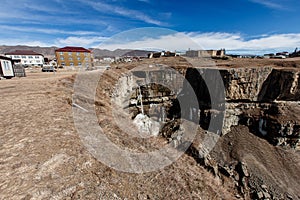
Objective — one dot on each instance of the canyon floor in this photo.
(43, 157)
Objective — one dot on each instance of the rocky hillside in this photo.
(258, 148)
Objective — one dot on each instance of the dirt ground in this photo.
(275, 167)
(42, 156)
(289, 63)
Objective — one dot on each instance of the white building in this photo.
(108, 59)
(27, 58)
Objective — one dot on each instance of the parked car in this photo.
(48, 68)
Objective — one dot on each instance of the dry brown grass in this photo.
(42, 157)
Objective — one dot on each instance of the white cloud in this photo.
(45, 30)
(145, 1)
(13, 42)
(178, 41)
(229, 41)
(40, 8)
(80, 41)
(236, 41)
(232, 42)
(269, 4)
(55, 12)
(133, 14)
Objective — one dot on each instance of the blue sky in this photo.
(237, 25)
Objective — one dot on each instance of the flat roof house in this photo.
(206, 53)
(27, 57)
(74, 56)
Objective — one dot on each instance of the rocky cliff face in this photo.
(264, 99)
(244, 84)
(260, 108)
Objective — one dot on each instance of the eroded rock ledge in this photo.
(265, 99)
(261, 111)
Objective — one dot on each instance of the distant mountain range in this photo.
(46, 51)
(98, 53)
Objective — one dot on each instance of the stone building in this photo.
(205, 53)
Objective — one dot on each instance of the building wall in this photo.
(6, 68)
(28, 60)
(192, 53)
(74, 59)
(205, 53)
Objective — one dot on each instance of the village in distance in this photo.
(16, 59)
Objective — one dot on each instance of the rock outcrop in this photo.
(257, 109)
(264, 99)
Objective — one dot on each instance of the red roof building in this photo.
(74, 56)
(72, 49)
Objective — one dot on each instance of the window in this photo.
(86, 59)
(79, 63)
(25, 61)
(71, 64)
(70, 58)
(24, 57)
(85, 53)
(77, 53)
(70, 53)
(61, 53)
(63, 64)
(30, 57)
(62, 58)
(37, 57)
(38, 61)
(6, 65)
(78, 58)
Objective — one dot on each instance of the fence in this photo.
(19, 71)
